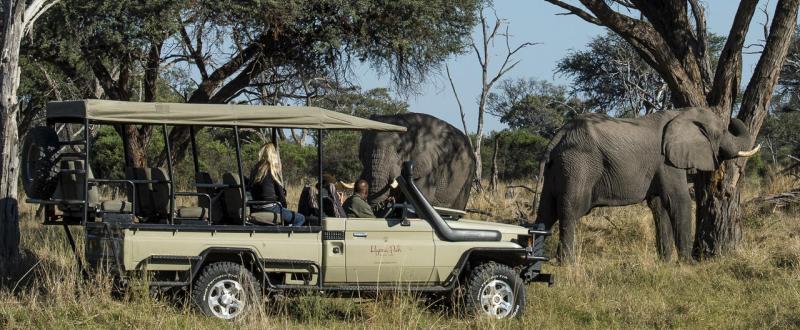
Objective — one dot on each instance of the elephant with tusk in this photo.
(595, 160)
(444, 168)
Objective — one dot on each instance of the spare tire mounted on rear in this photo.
(39, 156)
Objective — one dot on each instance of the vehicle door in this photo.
(390, 250)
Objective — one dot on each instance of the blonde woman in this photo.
(267, 186)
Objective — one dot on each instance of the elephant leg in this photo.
(679, 205)
(570, 212)
(664, 235)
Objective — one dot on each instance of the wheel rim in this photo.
(497, 299)
(226, 299)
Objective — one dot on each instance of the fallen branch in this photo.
(523, 187)
(776, 201)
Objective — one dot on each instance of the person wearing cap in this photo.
(356, 206)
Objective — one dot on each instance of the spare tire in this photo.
(39, 162)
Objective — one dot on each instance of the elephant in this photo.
(595, 160)
(444, 166)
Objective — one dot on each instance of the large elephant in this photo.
(444, 166)
(595, 160)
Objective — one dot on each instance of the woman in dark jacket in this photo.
(267, 186)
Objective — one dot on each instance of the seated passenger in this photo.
(356, 206)
(267, 186)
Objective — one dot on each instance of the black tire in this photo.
(503, 286)
(39, 162)
(216, 276)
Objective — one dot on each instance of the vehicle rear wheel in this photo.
(39, 156)
(495, 290)
(226, 290)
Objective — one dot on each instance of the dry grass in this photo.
(618, 282)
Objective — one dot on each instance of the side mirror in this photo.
(405, 222)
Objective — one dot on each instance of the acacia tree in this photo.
(672, 38)
(18, 17)
(230, 51)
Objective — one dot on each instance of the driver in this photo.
(356, 206)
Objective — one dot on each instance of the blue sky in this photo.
(536, 21)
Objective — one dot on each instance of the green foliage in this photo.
(535, 105)
(518, 154)
(780, 136)
(106, 154)
(299, 162)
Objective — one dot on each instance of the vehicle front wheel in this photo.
(226, 290)
(495, 290)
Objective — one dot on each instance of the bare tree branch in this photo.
(460, 107)
(572, 10)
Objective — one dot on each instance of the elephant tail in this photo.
(539, 197)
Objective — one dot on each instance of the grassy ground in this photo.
(618, 282)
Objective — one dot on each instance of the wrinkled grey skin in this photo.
(596, 160)
(444, 166)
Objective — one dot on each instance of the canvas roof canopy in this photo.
(122, 112)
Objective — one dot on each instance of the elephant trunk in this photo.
(379, 173)
(737, 141)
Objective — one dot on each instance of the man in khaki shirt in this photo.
(356, 206)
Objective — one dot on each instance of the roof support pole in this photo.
(243, 213)
(274, 138)
(320, 183)
(86, 137)
(171, 183)
(193, 136)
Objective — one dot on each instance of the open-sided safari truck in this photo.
(226, 256)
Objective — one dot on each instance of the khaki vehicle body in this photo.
(372, 250)
(416, 247)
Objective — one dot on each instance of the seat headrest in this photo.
(230, 178)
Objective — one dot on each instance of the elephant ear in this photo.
(686, 145)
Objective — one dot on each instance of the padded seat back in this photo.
(217, 212)
(70, 187)
(160, 192)
(144, 199)
(232, 198)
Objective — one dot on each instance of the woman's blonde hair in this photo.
(269, 161)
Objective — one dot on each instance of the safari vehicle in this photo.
(226, 261)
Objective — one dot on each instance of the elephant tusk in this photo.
(394, 184)
(749, 153)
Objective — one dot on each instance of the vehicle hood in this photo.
(508, 231)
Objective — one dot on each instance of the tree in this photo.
(517, 153)
(535, 105)
(615, 80)
(296, 42)
(671, 37)
(256, 51)
(18, 19)
(489, 34)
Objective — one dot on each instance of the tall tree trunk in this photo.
(494, 176)
(9, 107)
(719, 227)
